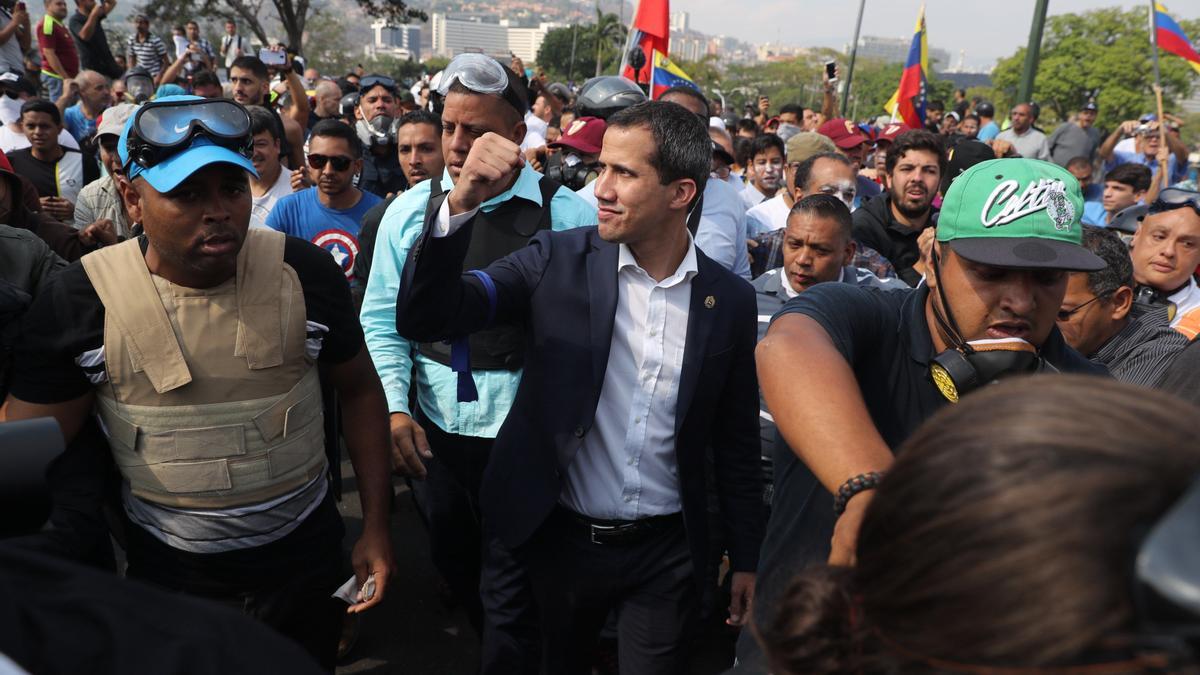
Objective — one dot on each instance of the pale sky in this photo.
(986, 29)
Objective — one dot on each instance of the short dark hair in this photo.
(743, 150)
(682, 147)
(827, 206)
(686, 91)
(262, 120)
(747, 124)
(251, 63)
(804, 169)
(420, 116)
(1136, 176)
(971, 116)
(761, 144)
(332, 128)
(1118, 268)
(205, 77)
(1079, 161)
(41, 105)
(915, 139)
(794, 108)
(936, 105)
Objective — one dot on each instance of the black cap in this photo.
(963, 156)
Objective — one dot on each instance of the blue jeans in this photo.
(54, 87)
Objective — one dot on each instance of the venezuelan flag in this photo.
(908, 103)
(667, 75)
(1172, 39)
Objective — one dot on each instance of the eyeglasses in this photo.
(1065, 315)
(1175, 198)
(338, 162)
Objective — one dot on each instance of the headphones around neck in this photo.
(965, 367)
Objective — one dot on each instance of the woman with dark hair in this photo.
(1003, 537)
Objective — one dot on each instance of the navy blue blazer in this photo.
(564, 287)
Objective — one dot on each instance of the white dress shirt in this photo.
(626, 468)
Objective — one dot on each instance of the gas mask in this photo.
(970, 364)
(570, 170)
(379, 132)
(138, 88)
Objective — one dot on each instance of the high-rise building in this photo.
(454, 36)
(895, 50)
(525, 42)
(679, 21)
(406, 37)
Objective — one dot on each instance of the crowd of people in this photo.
(648, 367)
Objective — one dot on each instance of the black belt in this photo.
(618, 532)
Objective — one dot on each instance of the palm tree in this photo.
(609, 33)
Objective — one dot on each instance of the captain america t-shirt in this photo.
(302, 214)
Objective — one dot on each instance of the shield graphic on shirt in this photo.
(342, 246)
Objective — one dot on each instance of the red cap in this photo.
(586, 134)
(889, 133)
(843, 133)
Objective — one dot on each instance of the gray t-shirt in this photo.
(1030, 145)
(1069, 141)
(10, 51)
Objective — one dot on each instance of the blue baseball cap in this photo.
(169, 173)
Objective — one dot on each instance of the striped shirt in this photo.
(1141, 352)
(147, 54)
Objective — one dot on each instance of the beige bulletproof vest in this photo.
(212, 400)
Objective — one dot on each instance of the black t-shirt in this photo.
(64, 178)
(885, 338)
(94, 54)
(59, 354)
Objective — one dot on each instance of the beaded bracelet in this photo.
(853, 486)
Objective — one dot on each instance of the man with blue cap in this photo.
(197, 344)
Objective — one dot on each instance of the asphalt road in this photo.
(415, 632)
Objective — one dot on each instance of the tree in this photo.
(609, 35)
(292, 15)
(554, 56)
(1104, 49)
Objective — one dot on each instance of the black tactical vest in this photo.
(494, 235)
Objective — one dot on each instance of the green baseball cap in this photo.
(1020, 213)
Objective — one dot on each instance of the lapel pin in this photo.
(710, 302)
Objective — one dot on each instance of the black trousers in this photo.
(286, 584)
(499, 601)
(649, 583)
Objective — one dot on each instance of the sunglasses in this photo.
(338, 162)
(1175, 198)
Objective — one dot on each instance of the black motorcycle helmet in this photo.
(985, 109)
(607, 95)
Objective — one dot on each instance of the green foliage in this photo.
(597, 49)
(1106, 49)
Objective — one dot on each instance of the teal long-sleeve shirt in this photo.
(396, 359)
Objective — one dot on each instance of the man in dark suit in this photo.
(639, 358)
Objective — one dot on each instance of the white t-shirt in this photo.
(261, 207)
(535, 132)
(1187, 301)
(14, 140)
(768, 216)
(751, 197)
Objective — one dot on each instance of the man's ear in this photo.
(1122, 302)
(133, 200)
(851, 249)
(684, 194)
